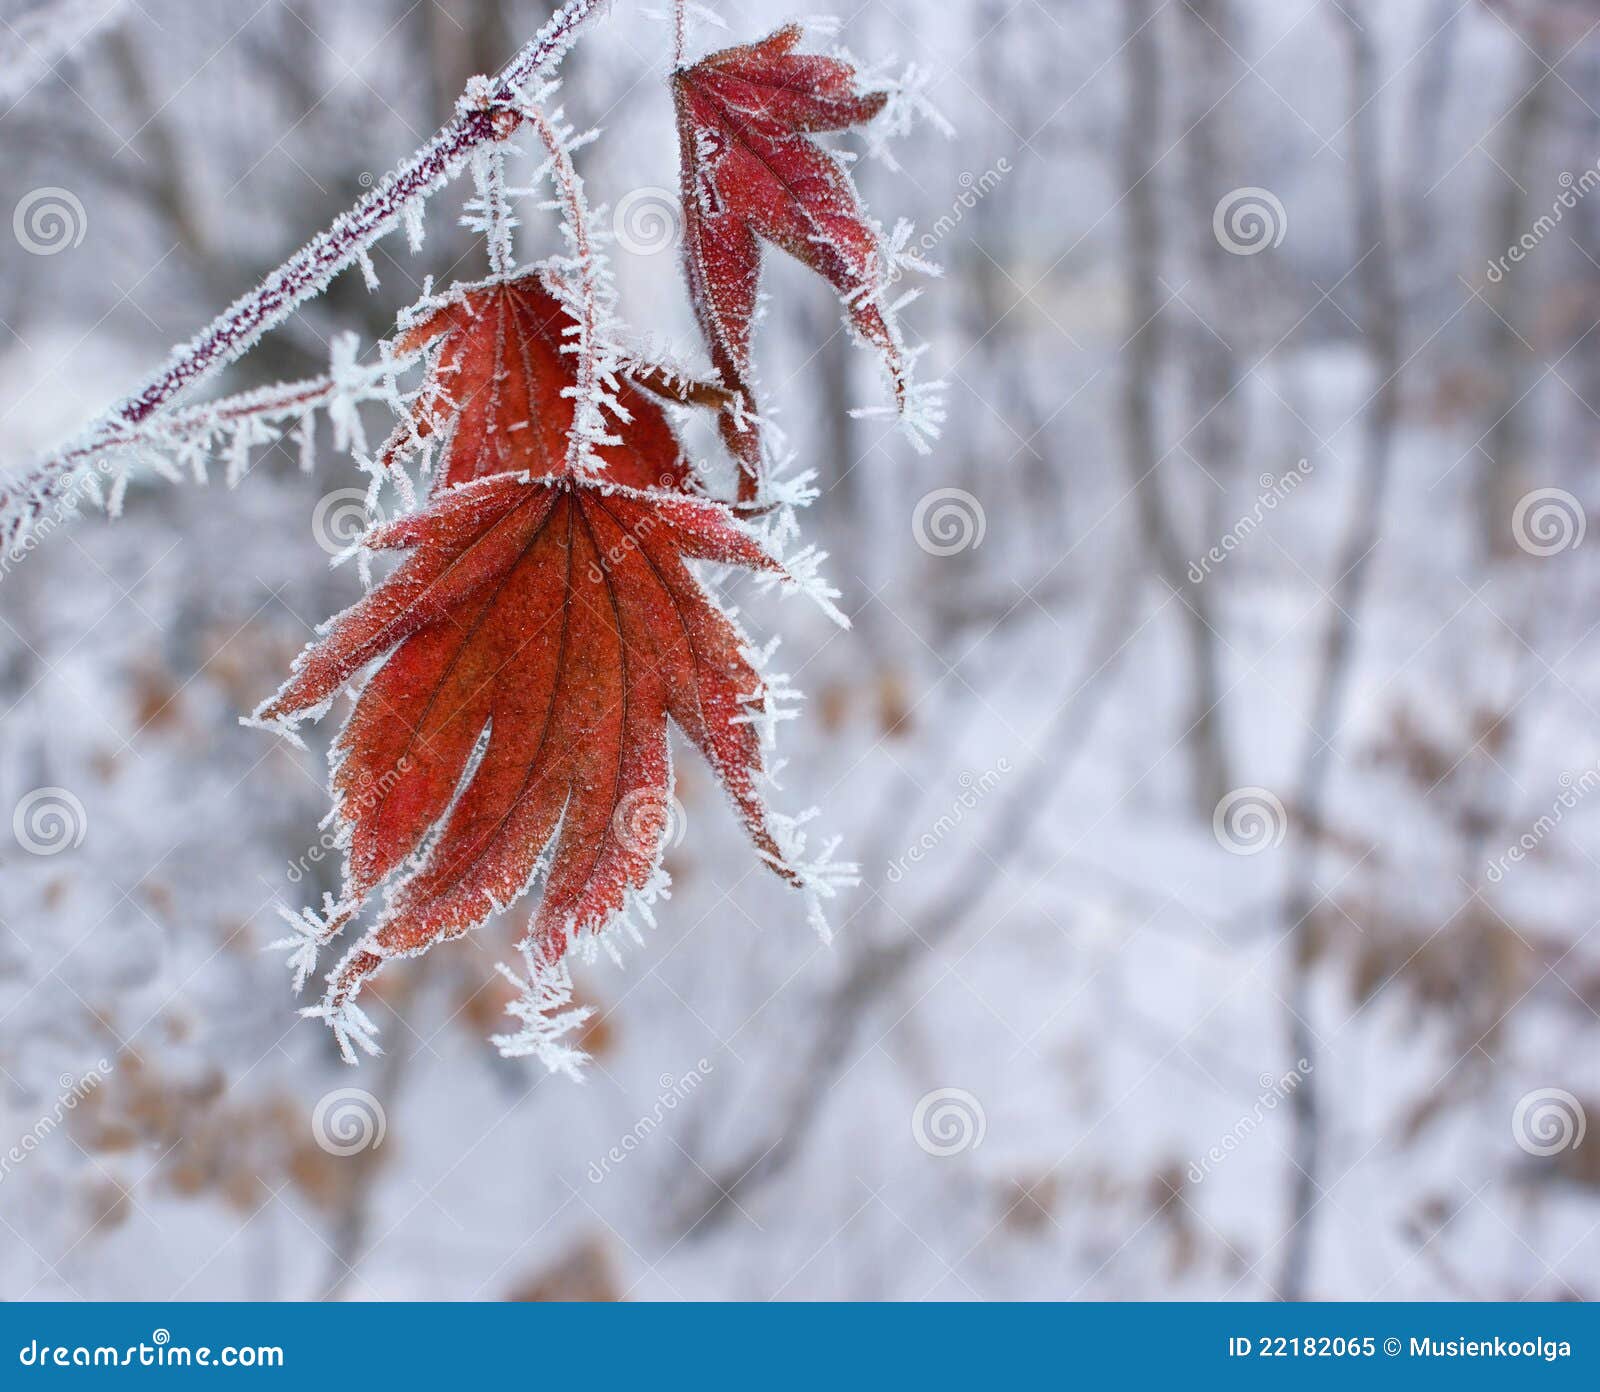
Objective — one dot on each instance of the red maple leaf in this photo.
(750, 171)
(546, 614)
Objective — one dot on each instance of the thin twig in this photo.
(1146, 351)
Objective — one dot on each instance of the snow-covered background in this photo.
(1201, 685)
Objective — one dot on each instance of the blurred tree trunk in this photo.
(857, 559)
(165, 172)
(1034, 472)
(1436, 58)
(1502, 475)
(1140, 153)
(1380, 318)
(461, 39)
(841, 473)
(1215, 439)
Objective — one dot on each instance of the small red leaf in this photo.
(751, 171)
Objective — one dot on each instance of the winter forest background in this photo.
(1217, 732)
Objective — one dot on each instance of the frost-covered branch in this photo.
(183, 439)
(479, 121)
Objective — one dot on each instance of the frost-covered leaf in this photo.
(752, 172)
(538, 637)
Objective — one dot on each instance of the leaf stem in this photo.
(587, 424)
